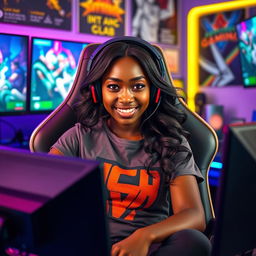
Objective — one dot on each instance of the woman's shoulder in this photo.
(76, 137)
(79, 128)
(76, 130)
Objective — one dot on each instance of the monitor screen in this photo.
(53, 68)
(51, 205)
(246, 33)
(13, 73)
(235, 203)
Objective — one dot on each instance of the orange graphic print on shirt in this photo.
(129, 190)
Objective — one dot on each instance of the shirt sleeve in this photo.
(68, 143)
(186, 167)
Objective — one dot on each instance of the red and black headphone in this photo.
(155, 93)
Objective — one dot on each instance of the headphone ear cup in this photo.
(155, 94)
(158, 95)
(93, 92)
(98, 91)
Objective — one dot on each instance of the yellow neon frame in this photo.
(193, 41)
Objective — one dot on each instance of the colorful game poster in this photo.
(219, 61)
(42, 13)
(155, 21)
(102, 17)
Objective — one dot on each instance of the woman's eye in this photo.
(113, 87)
(139, 86)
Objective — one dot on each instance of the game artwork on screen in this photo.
(13, 73)
(53, 68)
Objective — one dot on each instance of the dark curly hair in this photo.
(161, 124)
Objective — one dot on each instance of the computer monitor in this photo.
(246, 33)
(13, 73)
(235, 203)
(51, 205)
(53, 68)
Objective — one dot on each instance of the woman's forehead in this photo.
(125, 67)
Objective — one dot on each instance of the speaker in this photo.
(213, 115)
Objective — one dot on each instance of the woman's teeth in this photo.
(129, 110)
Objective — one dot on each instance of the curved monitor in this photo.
(53, 68)
(13, 73)
(235, 208)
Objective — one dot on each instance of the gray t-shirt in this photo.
(134, 198)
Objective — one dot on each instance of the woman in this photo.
(129, 123)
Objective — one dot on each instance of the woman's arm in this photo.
(188, 213)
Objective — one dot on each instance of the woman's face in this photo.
(125, 92)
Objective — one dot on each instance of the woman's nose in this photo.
(126, 96)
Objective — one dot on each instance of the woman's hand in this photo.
(137, 244)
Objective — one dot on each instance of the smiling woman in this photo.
(128, 121)
(126, 97)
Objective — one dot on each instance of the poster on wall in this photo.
(155, 21)
(41, 13)
(172, 57)
(219, 61)
(102, 17)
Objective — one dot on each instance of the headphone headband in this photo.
(129, 39)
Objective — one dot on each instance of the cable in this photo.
(153, 112)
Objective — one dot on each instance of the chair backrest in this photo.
(204, 142)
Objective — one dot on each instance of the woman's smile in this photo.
(126, 112)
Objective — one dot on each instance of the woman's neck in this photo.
(128, 132)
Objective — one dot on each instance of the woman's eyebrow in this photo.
(114, 79)
(137, 78)
(120, 80)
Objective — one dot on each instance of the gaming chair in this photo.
(203, 142)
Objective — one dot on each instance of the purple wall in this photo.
(237, 101)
